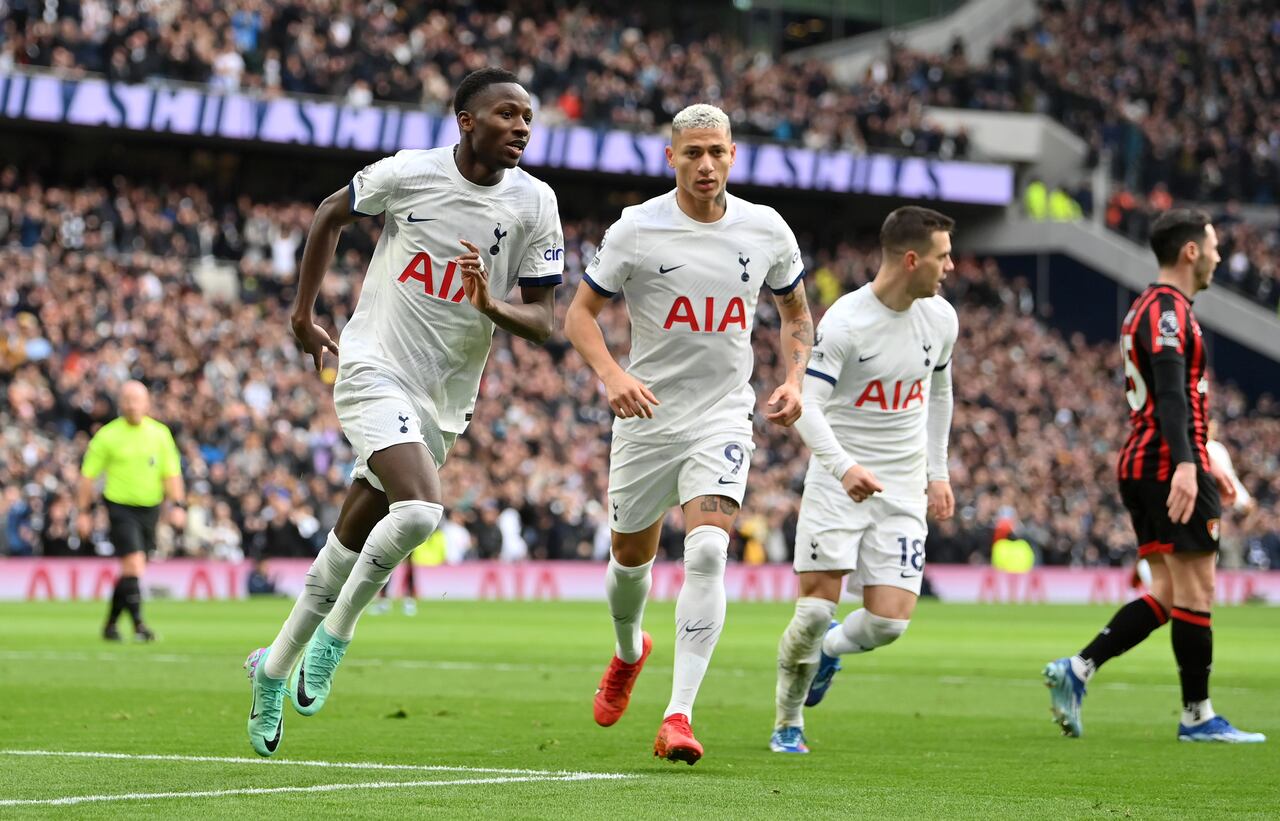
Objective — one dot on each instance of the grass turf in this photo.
(950, 722)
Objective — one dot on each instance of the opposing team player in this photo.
(691, 264)
(877, 413)
(411, 359)
(1168, 483)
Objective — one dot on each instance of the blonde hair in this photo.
(699, 115)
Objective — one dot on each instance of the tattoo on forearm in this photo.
(803, 331)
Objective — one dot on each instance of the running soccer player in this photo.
(877, 414)
(411, 360)
(1169, 484)
(690, 263)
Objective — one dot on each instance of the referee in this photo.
(142, 465)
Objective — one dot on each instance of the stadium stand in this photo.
(1214, 138)
(266, 462)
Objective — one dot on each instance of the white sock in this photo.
(325, 578)
(627, 589)
(1083, 668)
(798, 651)
(699, 613)
(406, 525)
(862, 632)
(1197, 712)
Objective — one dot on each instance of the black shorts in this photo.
(133, 528)
(1148, 504)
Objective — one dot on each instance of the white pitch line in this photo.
(342, 765)
(316, 788)
(503, 667)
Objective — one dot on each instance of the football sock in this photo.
(117, 600)
(1128, 627)
(627, 589)
(798, 652)
(323, 582)
(1193, 649)
(700, 609)
(131, 598)
(409, 587)
(406, 525)
(862, 632)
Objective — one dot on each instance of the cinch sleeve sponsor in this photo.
(543, 261)
(787, 266)
(372, 186)
(1167, 321)
(614, 259)
(832, 346)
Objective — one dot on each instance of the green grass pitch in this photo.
(952, 721)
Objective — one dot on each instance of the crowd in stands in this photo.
(1207, 129)
(97, 286)
(598, 63)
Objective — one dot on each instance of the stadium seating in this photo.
(90, 276)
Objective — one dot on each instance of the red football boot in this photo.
(675, 741)
(614, 693)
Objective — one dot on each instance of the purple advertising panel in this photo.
(191, 111)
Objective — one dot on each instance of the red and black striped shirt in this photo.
(1161, 328)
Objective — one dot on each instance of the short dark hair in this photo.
(476, 82)
(1174, 229)
(911, 228)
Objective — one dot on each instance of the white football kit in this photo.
(877, 393)
(411, 357)
(691, 290)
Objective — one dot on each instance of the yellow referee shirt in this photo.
(137, 459)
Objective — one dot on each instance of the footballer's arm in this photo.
(533, 319)
(627, 396)
(797, 342)
(331, 217)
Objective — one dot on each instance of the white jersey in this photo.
(881, 363)
(691, 290)
(413, 320)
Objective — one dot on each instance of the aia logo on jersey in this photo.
(717, 315)
(420, 269)
(874, 394)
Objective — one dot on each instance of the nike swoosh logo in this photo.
(421, 219)
(696, 629)
(865, 358)
(662, 270)
(375, 563)
(253, 709)
(909, 575)
(331, 600)
(272, 743)
(723, 482)
(303, 699)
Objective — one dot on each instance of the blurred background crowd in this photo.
(100, 283)
(1207, 132)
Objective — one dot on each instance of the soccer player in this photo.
(143, 467)
(411, 359)
(690, 263)
(1168, 483)
(877, 413)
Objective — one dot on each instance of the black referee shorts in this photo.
(133, 528)
(1148, 500)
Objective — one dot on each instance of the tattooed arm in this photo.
(797, 341)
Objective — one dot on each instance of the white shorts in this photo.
(646, 479)
(376, 412)
(878, 542)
